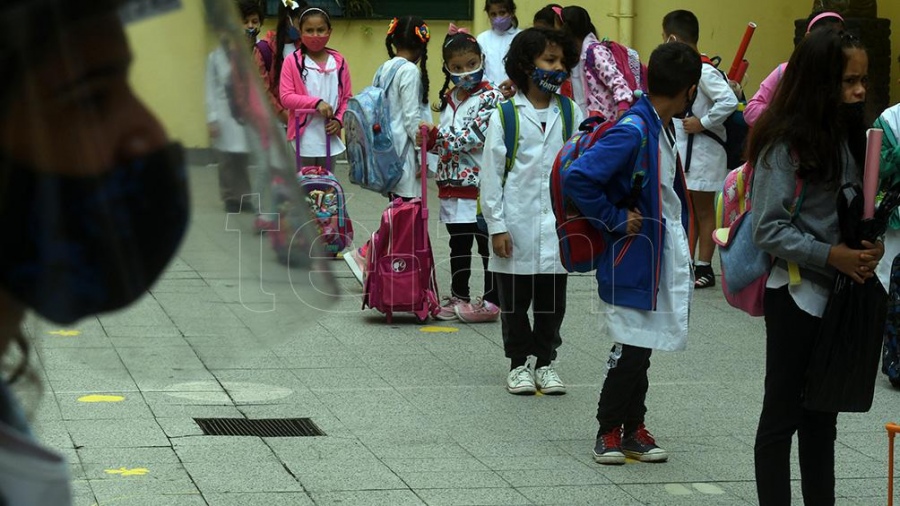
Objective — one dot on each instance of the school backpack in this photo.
(736, 128)
(509, 119)
(581, 241)
(400, 273)
(266, 53)
(890, 364)
(328, 206)
(745, 268)
(374, 162)
(628, 62)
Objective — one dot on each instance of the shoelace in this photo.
(612, 439)
(523, 376)
(643, 436)
(551, 376)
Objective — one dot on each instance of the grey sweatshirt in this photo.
(806, 238)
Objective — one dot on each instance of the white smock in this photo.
(321, 82)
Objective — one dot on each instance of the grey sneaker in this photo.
(520, 381)
(548, 381)
(641, 446)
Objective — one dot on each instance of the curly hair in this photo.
(530, 44)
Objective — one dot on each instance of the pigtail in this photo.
(303, 70)
(423, 66)
(389, 40)
(444, 92)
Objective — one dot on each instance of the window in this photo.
(386, 9)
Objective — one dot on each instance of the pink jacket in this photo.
(294, 94)
(606, 89)
(764, 95)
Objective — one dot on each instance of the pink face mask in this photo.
(315, 43)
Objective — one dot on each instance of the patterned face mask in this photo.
(549, 81)
(468, 80)
(90, 244)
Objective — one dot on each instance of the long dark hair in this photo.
(577, 23)
(286, 17)
(409, 32)
(805, 112)
(308, 13)
(456, 44)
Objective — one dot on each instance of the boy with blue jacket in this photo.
(632, 185)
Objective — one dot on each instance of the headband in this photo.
(315, 9)
(821, 17)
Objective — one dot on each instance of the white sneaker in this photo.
(520, 381)
(548, 381)
(357, 264)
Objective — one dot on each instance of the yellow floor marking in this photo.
(434, 329)
(101, 398)
(124, 471)
(65, 333)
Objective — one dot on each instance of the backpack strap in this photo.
(384, 81)
(509, 120)
(266, 52)
(638, 123)
(567, 110)
(799, 194)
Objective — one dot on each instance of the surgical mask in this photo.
(502, 23)
(90, 244)
(315, 43)
(468, 80)
(251, 32)
(549, 81)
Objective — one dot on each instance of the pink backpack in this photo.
(400, 273)
(745, 269)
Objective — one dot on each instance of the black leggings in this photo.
(462, 235)
(790, 333)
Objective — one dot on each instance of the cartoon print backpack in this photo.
(581, 242)
(374, 162)
(325, 197)
(628, 62)
(745, 268)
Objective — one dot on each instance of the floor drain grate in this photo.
(273, 427)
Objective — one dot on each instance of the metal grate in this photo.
(273, 427)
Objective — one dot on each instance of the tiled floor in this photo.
(412, 417)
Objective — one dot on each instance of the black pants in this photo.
(624, 394)
(547, 294)
(462, 235)
(790, 333)
(234, 180)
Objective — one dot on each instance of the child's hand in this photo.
(325, 109)
(692, 125)
(634, 222)
(859, 264)
(502, 244)
(333, 127)
(214, 130)
(419, 133)
(507, 88)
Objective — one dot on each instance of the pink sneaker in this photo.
(449, 308)
(481, 311)
(356, 261)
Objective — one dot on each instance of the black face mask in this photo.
(687, 110)
(853, 119)
(78, 246)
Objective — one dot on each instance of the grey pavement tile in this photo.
(123, 344)
(319, 448)
(449, 479)
(434, 465)
(367, 498)
(687, 493)
(132, 407)
(82, 495)
(532, 462)
(218, 358)
(233, 449)
(259, 499)
(590, 495)
(351, 378)
(167, 379)
(54, 434)
(81, 381)
(131, 330)
(246, 475)
(128, 457)
(116, 433)
(512, 448)
(334, 475)
(138, 492)
(414, 447)
(52, 342)
(81, 359)
(473, 497)
(143, 473)
(568, 476)
(179, 427)
(162, 409)
(158, 357)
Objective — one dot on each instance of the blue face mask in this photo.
(293, 33)
(90, 244)
(549, 81)
(468, 80)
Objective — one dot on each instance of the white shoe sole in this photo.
(610, 459)
(659, 456)
(525, 390)
(557, 390)
(350, 260)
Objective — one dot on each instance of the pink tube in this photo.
(742, 50)
(870, 177)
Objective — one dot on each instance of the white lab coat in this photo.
(495, 46)
(666, 328)
(522, 207)
(232, 135)
(715, 102)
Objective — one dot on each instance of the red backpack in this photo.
(581, 242)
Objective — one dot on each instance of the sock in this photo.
(698, 263)
(516, 362)
(541, 363)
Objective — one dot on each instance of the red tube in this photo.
(742, 70)
(742, 50)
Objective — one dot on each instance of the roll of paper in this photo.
(742, 71)
(870, 176)
(742, 50)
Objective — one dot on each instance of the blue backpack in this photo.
(374, 162)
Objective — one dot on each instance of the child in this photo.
(407, 44)
(889, 121)
(644, 276)
(316, 77)
(278, 45)
(459, 144)
(704, 158)
(599, 89)
(516, 206)
(549, 16)
(495, 42)
(226, 115)
(813, 131)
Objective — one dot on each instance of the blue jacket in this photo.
(628, 271)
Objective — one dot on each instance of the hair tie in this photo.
(822, 16)
(453, 30)
(423, 33)
(558, 11)
(393, 26)
(291, 4)
(314, 9)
